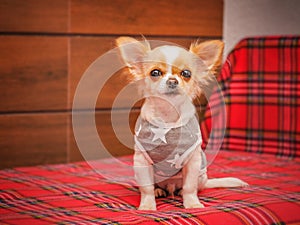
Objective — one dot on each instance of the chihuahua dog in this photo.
(168, 158)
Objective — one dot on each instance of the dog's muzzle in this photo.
(172, 83)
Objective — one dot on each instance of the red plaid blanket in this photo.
(77, 194)
(260, 82)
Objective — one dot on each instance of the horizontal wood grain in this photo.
(83, 52)
(46, 47)
(34, 73)
(34, 16)
(165, 17)
(32, 139)
(117, 139)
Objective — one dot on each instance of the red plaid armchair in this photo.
(260, 83)
(261, 88)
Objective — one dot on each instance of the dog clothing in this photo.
(168, 148)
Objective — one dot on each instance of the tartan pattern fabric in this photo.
(77, 194)
(260, 82)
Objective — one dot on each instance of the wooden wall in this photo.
(45, 47)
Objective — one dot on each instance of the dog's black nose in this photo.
(172, 83)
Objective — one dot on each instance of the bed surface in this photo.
(77, 194)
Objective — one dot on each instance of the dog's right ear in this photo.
(210, 52)
(132, 52)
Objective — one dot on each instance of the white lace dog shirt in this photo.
(167, 149)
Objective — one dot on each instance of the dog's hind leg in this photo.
(160, 193)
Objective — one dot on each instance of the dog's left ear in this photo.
(210, 52)
(132, 53)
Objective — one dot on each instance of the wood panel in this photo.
(106, 133)
(87, 50)
(33, 73)
(83, 52)
(152, 17)
(45, 48)
(32, 139)
(34, 16)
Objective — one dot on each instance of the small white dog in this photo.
(168, 157)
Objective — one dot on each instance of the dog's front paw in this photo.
(147, 207)
(191, 201)
(191, 204)
(194, 206)
(147, 202)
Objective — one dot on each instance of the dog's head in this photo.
(171, 70)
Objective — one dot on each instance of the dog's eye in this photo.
(155, 73)
(186, 73)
